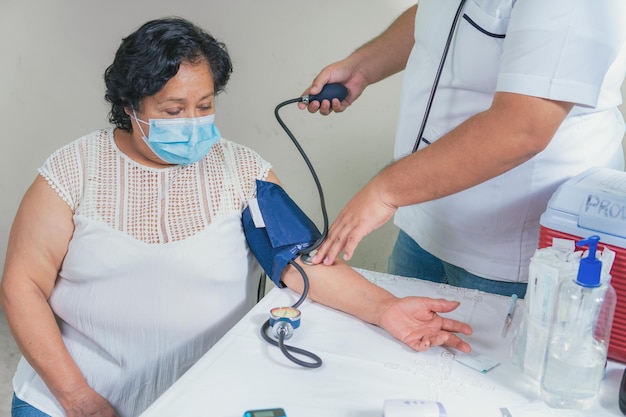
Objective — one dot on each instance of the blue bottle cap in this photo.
(590, 267)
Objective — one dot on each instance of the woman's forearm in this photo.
(37, 245)
(38, 337)
(342, 288)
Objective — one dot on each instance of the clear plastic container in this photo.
(529, 345)
(579, 336)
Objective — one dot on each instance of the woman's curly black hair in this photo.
(149, 57)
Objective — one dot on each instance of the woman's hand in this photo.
(416, 322)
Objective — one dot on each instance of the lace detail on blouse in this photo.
(153, 205)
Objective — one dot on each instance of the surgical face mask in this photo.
(180, 141)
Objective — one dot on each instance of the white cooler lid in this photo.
(596, 199)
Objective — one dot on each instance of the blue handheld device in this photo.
(270, 412)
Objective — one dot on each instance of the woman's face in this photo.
(190, 93)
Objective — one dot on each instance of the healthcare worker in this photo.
(527, 98)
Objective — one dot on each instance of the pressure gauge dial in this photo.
(284, 320)
(291, 313)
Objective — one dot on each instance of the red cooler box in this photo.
(594, 203)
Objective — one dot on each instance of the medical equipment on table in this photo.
(268, 412)
(509, 315)
(594, 203)
(278, 232)
(413, 408)
(549, 267)
(579, 335)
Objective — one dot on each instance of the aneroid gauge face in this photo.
(285, 312)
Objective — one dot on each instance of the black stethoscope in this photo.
(442, 62)
(284, 320)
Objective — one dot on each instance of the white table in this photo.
(363, 366)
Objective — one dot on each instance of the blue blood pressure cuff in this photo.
(276, 229)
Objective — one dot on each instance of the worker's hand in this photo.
(86, 403)
(416, 322)
(365, 212)
(342, 72)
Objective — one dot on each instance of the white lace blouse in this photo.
(157, 269)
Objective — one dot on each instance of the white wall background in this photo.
(54, 53)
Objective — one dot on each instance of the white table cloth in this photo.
(363, 366)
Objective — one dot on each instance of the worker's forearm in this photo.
(388, 53)
(488, 144)
(462, 159)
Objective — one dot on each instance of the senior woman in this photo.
(127, 258)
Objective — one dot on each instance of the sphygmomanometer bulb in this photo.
(329, 92)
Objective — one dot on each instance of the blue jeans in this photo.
(20, 408)
(410, 260)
